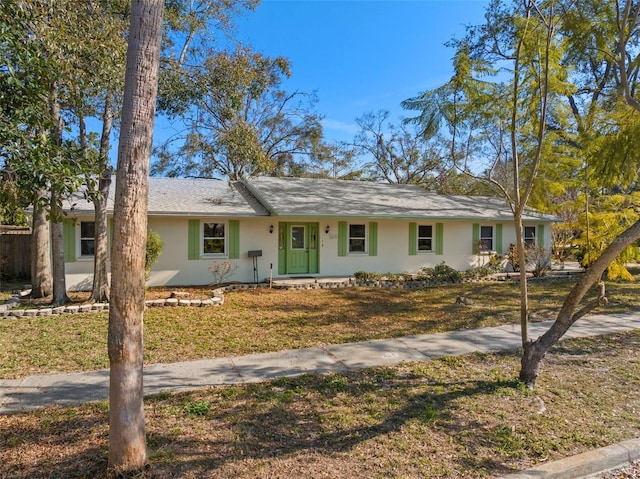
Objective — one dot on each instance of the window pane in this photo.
(486, 232)
(214, 246)
(214, 230)
(357, 237)
(356, 245)
(530, 235)
(487, 244)
(424, 244)
(486, 238)
(357, 231)
(297, 237)
(87, 229)
(424, 231)
(87, 247)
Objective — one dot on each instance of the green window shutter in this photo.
(499, 238)
(234, 239)
(439, 238)
(373, 239)
(475, 238)
(194, 239)
(540, 238)
(413, 239)
(342, 238)
(69, 240)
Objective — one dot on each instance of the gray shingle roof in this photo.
(317, 197)
(308, 197)
(187, 197)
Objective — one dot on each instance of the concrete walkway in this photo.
(74, 388)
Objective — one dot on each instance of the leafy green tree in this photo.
(617, 31)
(537, 117)
(153, 250)
(609, 216)
(76, 43)
(495, 108)
(239, 121)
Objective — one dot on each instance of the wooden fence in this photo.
(15, 252)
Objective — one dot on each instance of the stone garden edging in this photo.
(8, 309)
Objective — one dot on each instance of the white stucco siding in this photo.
(393, 248)
(174, 268)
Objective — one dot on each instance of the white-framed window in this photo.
(425, 238)
(357, 238)
(87, 238)
(530, 235)
(486, 238)
(214, 240)
(298, 237)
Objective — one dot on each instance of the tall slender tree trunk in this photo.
(535, 351)
(41, 280)
(57, 248)
(524, 285)
(127, 442)
(57, 227)
(100, 288)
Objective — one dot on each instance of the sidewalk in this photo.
(74, 388)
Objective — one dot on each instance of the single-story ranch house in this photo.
(287, 227)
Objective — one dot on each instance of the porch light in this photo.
(271, 229)
(326, 230)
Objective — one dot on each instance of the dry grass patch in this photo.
(265, 320)
(454, 417)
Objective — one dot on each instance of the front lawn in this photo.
(270, 320)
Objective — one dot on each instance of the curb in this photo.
(584, 465)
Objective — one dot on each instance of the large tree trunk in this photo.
(41, 281)
(100, 289)
(535, 351)
(57, 248)
(55, 213)
(127, 443)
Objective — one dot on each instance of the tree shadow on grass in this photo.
(55, 443)
(243, 426)
(302, 416)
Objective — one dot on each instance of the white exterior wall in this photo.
(393, 247)
(175, 269)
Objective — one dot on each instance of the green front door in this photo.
(299, 254)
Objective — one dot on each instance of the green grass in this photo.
(439, 419)
(270, 320)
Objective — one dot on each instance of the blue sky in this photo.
(360, 55)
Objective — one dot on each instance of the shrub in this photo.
(367, 276)
(493, 266)
(539, 260)
(425, 274)
(441, 273)
(393, 277)
(153, 250)
(446, 274)
(222, 271)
